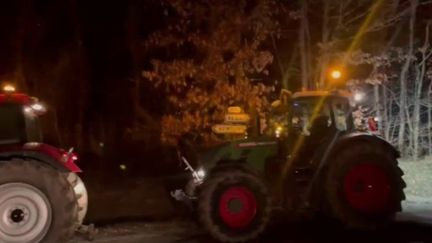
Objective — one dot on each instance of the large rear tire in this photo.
(37, 203)
(364, 186)
(234, 206)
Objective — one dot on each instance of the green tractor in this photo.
(316, 163)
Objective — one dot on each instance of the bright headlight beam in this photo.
(38, 107)
(201, 173)
(358, 96)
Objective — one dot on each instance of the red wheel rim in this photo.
(367, 188)
(237, 207)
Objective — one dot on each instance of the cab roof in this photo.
(15, 98)
(319, 93)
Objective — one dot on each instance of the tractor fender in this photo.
(357, 137)
(40, 157)
(338, 143)
(43, 153)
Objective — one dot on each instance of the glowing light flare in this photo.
(8, 88)
(201, 173)
(278, 131)
(336, 74)
(38, 107)
(27, 109)
(359, 96)
(373, 12)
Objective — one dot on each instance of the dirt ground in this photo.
(147, 200)
(184, 232)
(138, 232)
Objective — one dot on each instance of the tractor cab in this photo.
(321, 110)
(19, 123)
(312, 119)
(311, 112)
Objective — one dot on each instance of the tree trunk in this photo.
(429, 114)
(385, 124)
(421, 71)
(81, 78)
(404, 75)
(303, 35)
(324, 59)
(377, 107)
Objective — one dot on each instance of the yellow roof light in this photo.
(9, 88)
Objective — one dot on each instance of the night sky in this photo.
(91, 35)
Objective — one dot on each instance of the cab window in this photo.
(341, 110)
(11, 124)
(305, 110)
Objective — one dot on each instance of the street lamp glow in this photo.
(336, 74)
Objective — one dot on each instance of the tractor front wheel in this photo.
(234, 206)
(37, 203)
(364, 186)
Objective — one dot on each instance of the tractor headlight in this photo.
(201, 173)
(38, 108)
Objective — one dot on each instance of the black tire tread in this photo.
(205, 202)
(339, 162)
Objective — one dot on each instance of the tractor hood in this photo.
(252, 152)
(56, 157)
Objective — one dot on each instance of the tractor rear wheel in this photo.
(364, 186)
(37, 203)
(234, 206)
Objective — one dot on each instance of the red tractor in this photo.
(42, 199)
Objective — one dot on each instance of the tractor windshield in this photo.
(307, 110)
(18, 125)
(11, 122)
(316, 112)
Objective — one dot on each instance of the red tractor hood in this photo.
(47, 153)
